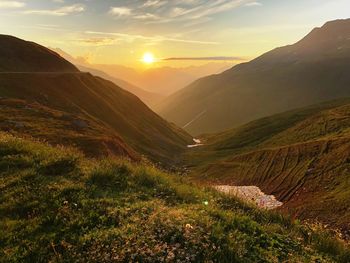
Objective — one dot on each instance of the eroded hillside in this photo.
(302, 157)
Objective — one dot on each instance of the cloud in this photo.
(146, 16)
(132, 37)
(165, 11)
(154, 3)
(253, 4)
(192, 10)
(120, 11)
(63, 11)
(205, 58)
(212, 8)
(11, 4)
(98, 41)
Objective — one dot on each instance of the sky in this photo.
(175, 32)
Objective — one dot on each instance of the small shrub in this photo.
(110, 175)
(63, 165)
(327, 244)
(147, 178)
(15, 162)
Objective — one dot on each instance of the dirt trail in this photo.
(251, 194)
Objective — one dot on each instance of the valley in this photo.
(311, 71)
(301, 157)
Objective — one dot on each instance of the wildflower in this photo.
(205, 202)
(188, 226)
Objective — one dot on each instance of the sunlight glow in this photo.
(148, 58)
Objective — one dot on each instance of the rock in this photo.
(17, 124)
(80, 124)
(251, 194)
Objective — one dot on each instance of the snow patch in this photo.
(251, 194)
(198, 143)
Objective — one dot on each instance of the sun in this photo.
(148, 58)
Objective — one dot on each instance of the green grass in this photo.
(116, 120)
(300, 156)
(58, 206)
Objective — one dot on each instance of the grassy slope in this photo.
(149, 98)
(103, 102)
(302, 157)
(57, 206)
(18, 55)
(62, 128)
(308, 72)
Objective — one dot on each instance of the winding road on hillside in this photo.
(195, 118)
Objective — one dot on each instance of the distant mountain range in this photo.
(315, 69)
(147, 97)
(154, 79)
(163, 80)
(63, 105)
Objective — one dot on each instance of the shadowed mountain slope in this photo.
(302, 157)
(313, 70)
(17, 55)
(149, 98)
(94, 99)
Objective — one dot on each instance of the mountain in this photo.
(147, 97)
(313, 70)
(87, 99)
(301, 157)
(17, 55)
(153, 80)
(156, 79)
(58, 206)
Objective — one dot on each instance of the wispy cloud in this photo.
(255, 3)
(180, 10)
(12, 4)
(154, 3)
(62, 11)
(132, 37)
(147, 16)
(97, 41)
(220, 58)
(120, 11)
(163, 11)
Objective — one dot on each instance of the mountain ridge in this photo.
(282, 79)
(300, 156)
(85, 96)
(18, 55)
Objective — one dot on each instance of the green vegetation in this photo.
(116, 121)
(301, 157)
(124, 124)
(58, 206)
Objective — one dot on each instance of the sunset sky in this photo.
(176, 32)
